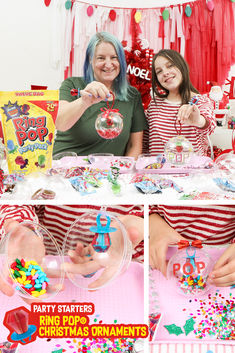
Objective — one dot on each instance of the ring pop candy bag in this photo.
(28, 119)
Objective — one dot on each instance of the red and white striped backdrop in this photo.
(192, 348)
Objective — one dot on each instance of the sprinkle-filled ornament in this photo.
(28, 265)
(178, 150)
(109, 123)
(189, 268)
(101, 243)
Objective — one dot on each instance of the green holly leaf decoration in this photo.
(173, 329)
(188, 11)
(189, 326)
(165, 15)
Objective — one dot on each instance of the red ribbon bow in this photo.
(185, 244)
(107, 111)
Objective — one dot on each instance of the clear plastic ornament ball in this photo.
(178, 150)
(226, 164)
(100, 243)
(189, 268)
(109, 124)
(31, 261)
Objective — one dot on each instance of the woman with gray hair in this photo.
(104, 81)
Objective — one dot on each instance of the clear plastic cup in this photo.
(226, 164)
(31, 261)
(100, 157)
(63, 155)
(104, 254)
(63, 161)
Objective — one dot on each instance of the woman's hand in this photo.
(189, 114)
(70, 112)
(85, 260)
(23, 243)
(223, 273)
(161, 235)
(94, 93)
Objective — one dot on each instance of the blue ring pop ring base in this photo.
(20, 337)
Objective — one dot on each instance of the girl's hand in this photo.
(223, 273)
(23, 243)
(158, 247)
(161, 235)
(94, 93)
(189, 114)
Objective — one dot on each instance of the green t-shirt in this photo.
(83, 138)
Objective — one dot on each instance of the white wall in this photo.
(26, 41)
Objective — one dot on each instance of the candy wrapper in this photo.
(28, 126)
(154, 320)
(147, 185)
(224, 184)
(8, 347)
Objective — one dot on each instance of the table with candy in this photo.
(119, 302)
(191, 323)
(149, 178)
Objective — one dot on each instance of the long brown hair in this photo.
(185, 87)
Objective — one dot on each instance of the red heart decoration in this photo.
(47, 2)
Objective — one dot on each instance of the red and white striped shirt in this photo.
(212, 224)
(161, 119)
(58, 219)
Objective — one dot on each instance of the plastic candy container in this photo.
(64, 155)
(109, 123)
(178, 150)
(226, 163)
(100, 157)
(104, 254)
(26, 264)
(189, 268)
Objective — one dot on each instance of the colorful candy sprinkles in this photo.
(192, 284)
(98, 345)
(216, 316)
(104, 345)
(29, 277)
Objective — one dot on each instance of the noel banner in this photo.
(202, 31)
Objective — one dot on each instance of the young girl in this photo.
(177, 107)
(213, 225)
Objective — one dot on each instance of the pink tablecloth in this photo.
(122, 300)
(176, 309)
